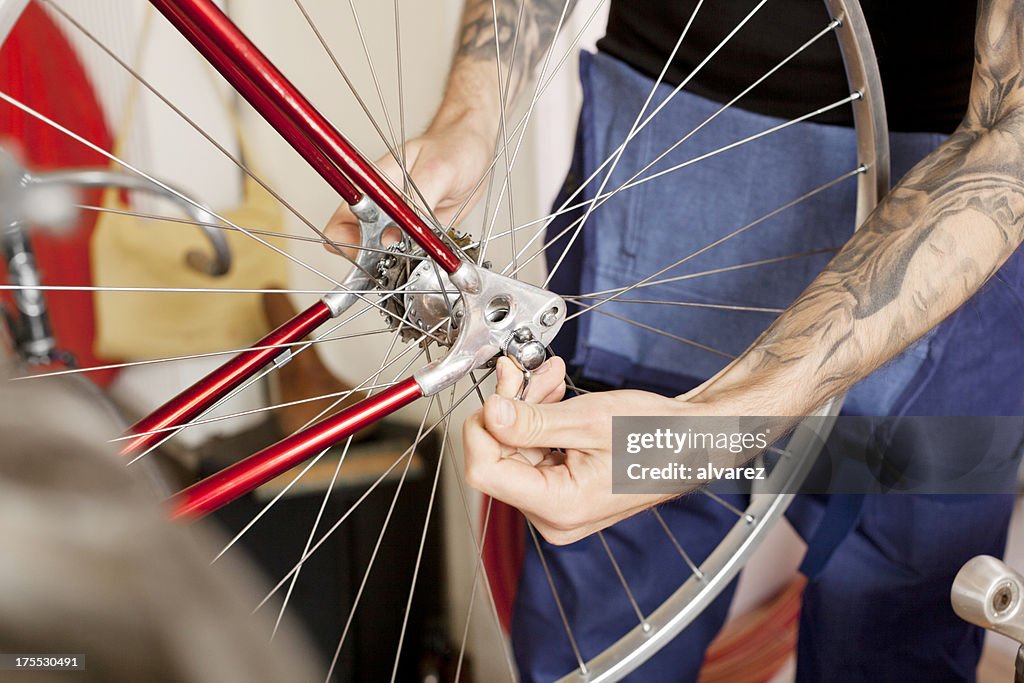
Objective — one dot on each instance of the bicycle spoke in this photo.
(330, 486)
(373, 72)
(480, 567)
(406, 178)
(682, 553)
(210, 354)
(503, 129)
(316, 523)
(252, 380)
(66, 131)
(622, 580)
(255, 231)
(683, 304)
(852, 97)
(669, 335)
(533, 104)
(270, 504)
(380, 537)
(348, 512)
(565, 205)
(699, 273)
(423, 203)
(423, 540)
(390, 144)
(501, 138)
(748, 518)
(733, 145)
(342, 395)
(857, 171)
(480, 575)
(617, 155)
(206, 290)
(650, 279)
(407, 455)
(569, 52)
(558, 601)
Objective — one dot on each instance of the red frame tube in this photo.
(193, 401)
(212, 32)
(330, 154)
(262, 104)
(244, 476)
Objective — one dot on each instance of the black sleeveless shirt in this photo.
(925, 54)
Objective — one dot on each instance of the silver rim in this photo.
(765, 509)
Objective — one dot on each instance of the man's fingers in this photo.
(568, 424)
(496, 470)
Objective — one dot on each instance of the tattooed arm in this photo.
(450, 156)
(926, 249)
(525, 29)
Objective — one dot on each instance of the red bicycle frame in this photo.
(271, 94)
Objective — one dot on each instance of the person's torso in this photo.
(925, 54)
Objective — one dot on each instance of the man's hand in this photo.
(566, 494)
(445, 163)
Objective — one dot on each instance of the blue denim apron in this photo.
(876, 607)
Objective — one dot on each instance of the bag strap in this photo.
(130, 108)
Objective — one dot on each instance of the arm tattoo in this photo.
(929, 245)
(525, 31)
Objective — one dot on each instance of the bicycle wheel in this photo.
(429, 314)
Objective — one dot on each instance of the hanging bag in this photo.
(129, 251)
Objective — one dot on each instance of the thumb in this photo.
(523, 425)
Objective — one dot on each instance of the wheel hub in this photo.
(429, 303)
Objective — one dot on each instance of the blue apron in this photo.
(876, 606)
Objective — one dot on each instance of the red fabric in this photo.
(39, 68)
(503, 547)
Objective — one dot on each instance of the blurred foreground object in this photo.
(90, 564)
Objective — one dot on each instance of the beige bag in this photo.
(128, 251)
(134, 252)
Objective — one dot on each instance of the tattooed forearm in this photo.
(524, 30)
(940, 234)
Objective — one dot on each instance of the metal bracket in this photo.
(372, 224)
(497, 311)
